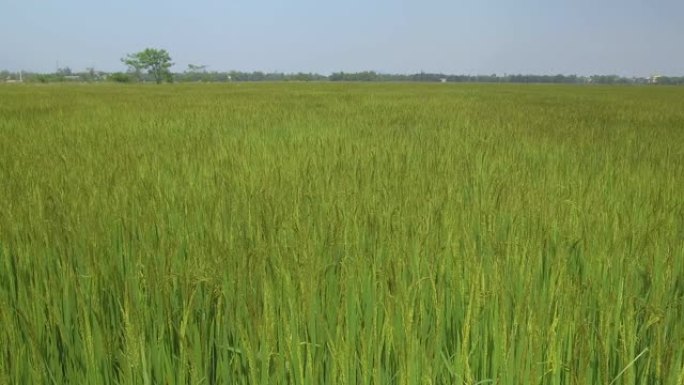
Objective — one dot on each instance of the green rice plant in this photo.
(341, 234)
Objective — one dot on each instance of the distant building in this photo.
(654, 79)
(443, 80)
(19, 78)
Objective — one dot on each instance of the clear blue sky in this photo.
(624, 37)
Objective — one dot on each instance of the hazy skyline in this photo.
(627, 38)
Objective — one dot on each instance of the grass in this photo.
(341, 234)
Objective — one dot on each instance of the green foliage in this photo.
(120, 77)
(43, 78)
(341, 234)
(156, 62)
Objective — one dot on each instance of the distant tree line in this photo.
(193, 75)
(494, 78)
(154, 65)
(199, 73)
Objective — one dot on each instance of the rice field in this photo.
(295, 233)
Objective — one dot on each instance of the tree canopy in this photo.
(157, 62)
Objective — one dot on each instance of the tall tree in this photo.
(156, 62)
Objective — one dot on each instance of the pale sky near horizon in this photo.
(584, 37)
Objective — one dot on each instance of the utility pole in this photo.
(21, 80)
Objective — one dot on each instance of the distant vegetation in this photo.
(336, 233)
(154, 65)
(193, 74)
